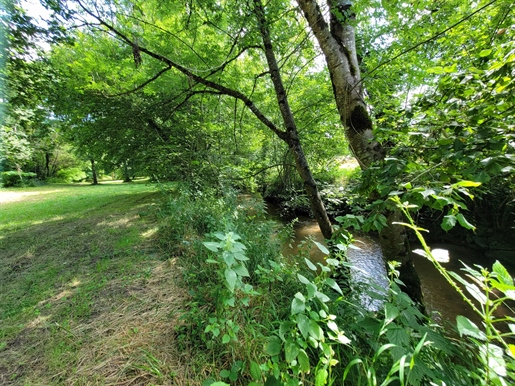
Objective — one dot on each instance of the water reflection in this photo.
(441, 300)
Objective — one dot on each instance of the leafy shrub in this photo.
(13, 179)
(69, 175)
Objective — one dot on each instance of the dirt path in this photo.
(86, 295)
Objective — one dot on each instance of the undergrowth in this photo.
(258, 318)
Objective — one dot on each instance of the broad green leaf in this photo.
(390, 313)
(241, 270)
(463, 222)
(311, 289)
(321, 377)
(285, 327)
(310, 265)
(303, 325)
(315, 330)
(469, 328)
(230, 279)
(322, 297)
(255, 370)
(291, 350)
(303, 279)
(502, 274)
(212, 246)
(273, 346)
(334, 285)
(303, 360)
(298, 304)
(466, 184)
(322, 247)
(226, 339)
(448, 222)
(240, 256)
(485, 53)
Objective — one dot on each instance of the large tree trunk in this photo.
(291, 136)
(338, 45)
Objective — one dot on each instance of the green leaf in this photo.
(315, 330)
(285, 327)
(230, 279)
(331, 283)
(310, 265)
(390, 313)
(291, 350)
(240, 256)
(303, 361)
(212, 246)
(448, 222)
(241, 270)
(321, 377)
(469, 328)
(255, 370)
(463, 222)
(502, 274)
(226, 339)
(322, 297)
(303, 279)
(225, 373)
(322, 247)
(485, 53)
(466, 184)
(303, 325)
(298, 304)
(273, 346)
(312, 289)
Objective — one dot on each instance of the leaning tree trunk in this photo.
(290, 136)
(338, 45)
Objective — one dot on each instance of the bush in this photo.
(13, 179)
(69, 175)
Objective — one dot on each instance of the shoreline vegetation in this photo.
(147, 284)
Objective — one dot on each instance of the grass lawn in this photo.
(86, 296)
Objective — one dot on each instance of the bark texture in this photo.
(338, 43)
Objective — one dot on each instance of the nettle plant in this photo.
(230, 258)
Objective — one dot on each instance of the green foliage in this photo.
(17, 179)
(69, 175)
(491, 348)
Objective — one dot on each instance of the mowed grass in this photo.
(86, 296)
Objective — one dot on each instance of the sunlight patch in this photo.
(122, 222)
(38, 321)
(149, 233)
(441, 255)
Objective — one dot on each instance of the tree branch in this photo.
(211, 84)
(143, 84)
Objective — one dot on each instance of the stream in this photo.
(441, 300)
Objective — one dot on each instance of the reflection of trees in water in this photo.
(368, 267)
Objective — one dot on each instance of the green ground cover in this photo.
(81, 279)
